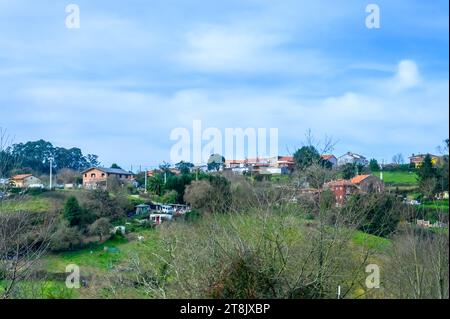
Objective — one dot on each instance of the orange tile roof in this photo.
(234, 161)
(286, 158)
(327, 156)
(20, 177)
(339, 182)
(358, 179)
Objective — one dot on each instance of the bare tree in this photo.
(417, 265)
(24, 239)
(398, 159)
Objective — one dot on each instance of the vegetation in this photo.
(244, 238)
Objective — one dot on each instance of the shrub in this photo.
(65, 238)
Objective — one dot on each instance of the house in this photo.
(330, 158)
(96, 177)
(344, 188)
(260, 165)
(341, 188)
(352, 158)
(417, 160)
(26, 181)
(368, 183)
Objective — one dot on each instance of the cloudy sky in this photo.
(135, 70)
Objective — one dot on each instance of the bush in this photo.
(192, 216)
(75, 214)
(377, 214)
(65, 238)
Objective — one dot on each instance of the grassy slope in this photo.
(399, 177)
(32, 204)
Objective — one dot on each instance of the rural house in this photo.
(26, 181)
(97, 177)
(368, 183)
(342, 189)
(352, 158)
(330, 158)
(417, 160)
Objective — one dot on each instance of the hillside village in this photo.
(103, 214)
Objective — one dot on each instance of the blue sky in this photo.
(136, 70)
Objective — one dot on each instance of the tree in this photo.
(156, 184)
(37, 156)
(92, 160)
(349, 170)
(100, 227)
(427, 177)
(115, 166)
(67, 176)
(215, 162)
(101, 204)
(6, 158)
(379, 213)
(417, 265)
(184, 167)
(74, 213)
(24, 239)
(373, 165)
(443, 168)
(65, 237)
(398, 159)
(198, 193)
(178, 184)
(306, 156)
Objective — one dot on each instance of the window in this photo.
(103, 174)
(85, 175)
(93, 175)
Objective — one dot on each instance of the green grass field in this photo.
(33, 204)
(371, 241)
(399, 178)
(437, 204)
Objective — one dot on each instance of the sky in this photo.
(136, 70)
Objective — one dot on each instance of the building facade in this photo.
(97, 177)
(352, 158)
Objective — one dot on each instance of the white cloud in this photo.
(407, 75)
(212, 48)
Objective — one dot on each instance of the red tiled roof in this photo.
(327, 156)
(234, 161)
(339, 182)
(20, 177)
(358, 179)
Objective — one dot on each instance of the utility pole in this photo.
(51, 173)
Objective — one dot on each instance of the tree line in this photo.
(36, 157)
